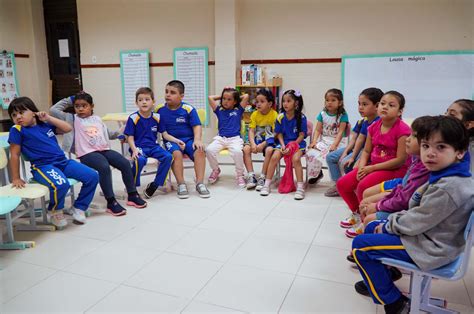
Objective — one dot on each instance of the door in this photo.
(62, 37)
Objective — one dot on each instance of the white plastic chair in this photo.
(27, 194)
(420, 281)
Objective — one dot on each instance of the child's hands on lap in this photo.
(181, 145)
(332, 148)
(18, 183)
(378, 229)
(284, 150)
(135, 154)
(348, 162)
(260, 147)
(364, 171)
(312, 145)
(253, 148)
(198, 145)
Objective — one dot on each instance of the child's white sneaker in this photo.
(79, 216)
(57, 219)
(260, 183)
(299, 194)
(265, 190)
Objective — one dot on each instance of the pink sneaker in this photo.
(355, 231)
(214, 176)
(350, 221)
(241, 181)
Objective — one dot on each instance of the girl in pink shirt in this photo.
(384, 157)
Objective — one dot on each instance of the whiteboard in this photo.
(135, 73)
(191, 68)
(430, 81)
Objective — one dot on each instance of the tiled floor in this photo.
(234, 252)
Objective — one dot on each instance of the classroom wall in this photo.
(108, 26)
(280, 29)
(268, 29)
(22, 30)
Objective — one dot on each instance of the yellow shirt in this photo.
(264, 124)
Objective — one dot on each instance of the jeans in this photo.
(334, 162)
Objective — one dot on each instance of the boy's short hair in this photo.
(144, 91)
(421, 122)
(177, 84)
(452, 130)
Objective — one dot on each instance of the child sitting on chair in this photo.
(181, 121)
(33, 135)
(430, 233)
(89, 140)
(229, 116)
(142, 135)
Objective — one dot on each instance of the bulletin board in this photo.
(191, 68)
(430, 81)
(8, 79)
(135, 73)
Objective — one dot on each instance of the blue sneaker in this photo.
(136, 201)
(115, 209)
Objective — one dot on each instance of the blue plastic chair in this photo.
(420, 281)
(7, 205)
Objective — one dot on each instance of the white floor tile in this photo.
(17, 277)
(57, 250)
(113, 262)
(300, 211)
(337, 211)
(153, 235)
(62, 292)
(319, 296)
(105, 227)
(252, 203)
(200, 307)
(270, 254)
(211, 244)
(232, 222)
(179, 215)
(463, 309)
(132, 300)
(331, 235)
(329, 264)
(288, 229)
(246, 289)
(176, 275)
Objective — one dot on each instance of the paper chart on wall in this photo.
(135, 72)
(8, 81)
(191, 67)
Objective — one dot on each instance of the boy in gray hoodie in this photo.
(430, 233)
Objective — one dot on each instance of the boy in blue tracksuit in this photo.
(431, 232)
(142, 134)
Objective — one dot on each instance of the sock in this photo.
(251, 174)
(268, 182)
(300, 185)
